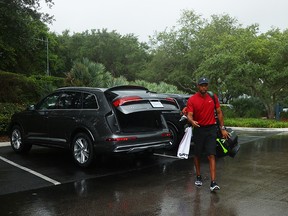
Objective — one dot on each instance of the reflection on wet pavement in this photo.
(253, 183)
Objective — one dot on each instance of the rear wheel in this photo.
(16, 140)
(174, 136)
(82, 150)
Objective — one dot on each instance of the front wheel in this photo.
(82, 150)
(16, 140)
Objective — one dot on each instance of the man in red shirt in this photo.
(201, 115)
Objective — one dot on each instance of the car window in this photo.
(49, 102)
(89, 101)
(69, 100)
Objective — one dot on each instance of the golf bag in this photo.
(227, 147)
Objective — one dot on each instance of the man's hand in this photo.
(195, 123)
(225, 134)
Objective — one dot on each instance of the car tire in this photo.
(174, 136)
(82, 150)
(16, 140)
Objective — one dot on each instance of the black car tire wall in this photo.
(82, 146)
(17, 143)
(174, 136)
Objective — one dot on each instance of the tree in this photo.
(177, 53)
(88, 73)
(121, 55)
(250, 63)
(21, 24)
(238, 60)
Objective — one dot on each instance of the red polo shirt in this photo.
(202, 108)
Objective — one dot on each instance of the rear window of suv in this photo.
(89, 101)
(69, 100)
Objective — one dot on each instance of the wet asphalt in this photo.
(252, 183)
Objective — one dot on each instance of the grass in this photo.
(255, 123)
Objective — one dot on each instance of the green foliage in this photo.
(228, 112)
(16, 88)
(46, 84)
(20, 89)
(158, 87)
(21, 27)
(17, 91)
(237, 60)
(88, 73)
(255, 123)
(120, 55)
(248, 107)
(117, 81)
(6, 111)
(284, 116)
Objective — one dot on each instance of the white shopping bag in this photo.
(184, 146)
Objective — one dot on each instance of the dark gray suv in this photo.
(94, 120)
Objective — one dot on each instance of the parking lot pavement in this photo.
(48, 167)
(253, 183)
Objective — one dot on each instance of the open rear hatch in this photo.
(138, 109)
(130, 99)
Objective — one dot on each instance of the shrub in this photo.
(17, 88)
(248, 107)
(17, 91)
(6, 111)
(228, 112)
(255, 122)
(284, 116)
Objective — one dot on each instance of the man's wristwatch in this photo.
(223, 128)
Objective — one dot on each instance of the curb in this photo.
(259, 129)
(2, 144)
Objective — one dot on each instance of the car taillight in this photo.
(170, 99)
(123, 100)
(166, 134)
(118, 139)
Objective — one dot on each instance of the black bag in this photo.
(229, 147)
(225, 147)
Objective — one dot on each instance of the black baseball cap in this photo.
(203, 80)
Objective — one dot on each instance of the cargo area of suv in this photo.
(91, 121)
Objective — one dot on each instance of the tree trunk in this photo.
(270, 111)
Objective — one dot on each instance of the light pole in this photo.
(47, 53)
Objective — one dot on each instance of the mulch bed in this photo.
(4, 139)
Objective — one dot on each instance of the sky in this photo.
(145, 17)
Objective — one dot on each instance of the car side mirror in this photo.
(31, 107)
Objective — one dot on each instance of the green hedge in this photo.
(18, 88)
(6, 111)
(17, 91)
(255, 122)
(248, 107)
(284, 116)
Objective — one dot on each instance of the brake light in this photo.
(171, 100)
(166, 134)
(119, 139)
(123, 100)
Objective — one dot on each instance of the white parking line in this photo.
(31, 171)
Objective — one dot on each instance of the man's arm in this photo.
(191, 121)
(225, 133)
